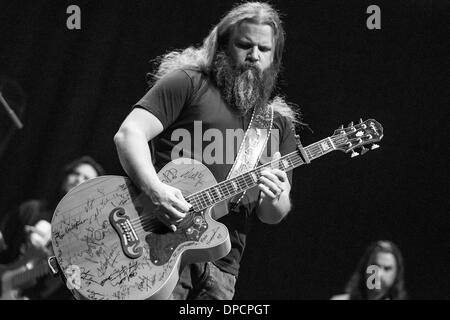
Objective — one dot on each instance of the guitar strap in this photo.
(252, 146)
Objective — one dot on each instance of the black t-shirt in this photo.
(198, 123)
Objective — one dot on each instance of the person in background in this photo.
(380, 275)
(26, 230)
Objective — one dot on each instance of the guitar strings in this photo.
(144, 222)
(150, 221)
(233, 192)
(200, 201)
(313, 150)
(197, 196)
(244, 178)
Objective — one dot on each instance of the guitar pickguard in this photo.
(162, 246)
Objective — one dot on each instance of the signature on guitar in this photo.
(195, 176)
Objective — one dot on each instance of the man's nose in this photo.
(382, 274)
(253, 55)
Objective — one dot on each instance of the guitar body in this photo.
(13, 277)
(107, 232)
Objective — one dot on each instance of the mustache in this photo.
(249, 66)
(243, 85)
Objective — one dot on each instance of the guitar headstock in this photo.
(357, 136)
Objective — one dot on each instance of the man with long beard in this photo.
(219, 85)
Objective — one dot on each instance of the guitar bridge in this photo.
(127, 235)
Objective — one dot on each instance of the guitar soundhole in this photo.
(157, 227)
(154, 225)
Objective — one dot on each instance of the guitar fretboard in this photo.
(234, 186)
(34, 272)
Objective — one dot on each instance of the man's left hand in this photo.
(274, 182)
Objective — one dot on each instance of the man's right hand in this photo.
(172, 207)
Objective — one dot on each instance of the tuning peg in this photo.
(341, 127)
(363, 125)
(350, 124)
(364, 150)
(375, 146)
(354, 154)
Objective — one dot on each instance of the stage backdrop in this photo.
(80, 84)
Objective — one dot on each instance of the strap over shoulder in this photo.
(253, 144)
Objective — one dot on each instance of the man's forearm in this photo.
(134, 155)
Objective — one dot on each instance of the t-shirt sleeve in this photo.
(166, 99)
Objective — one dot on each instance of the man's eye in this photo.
(244, 46)
(264, 49)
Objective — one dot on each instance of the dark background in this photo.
(80, 84)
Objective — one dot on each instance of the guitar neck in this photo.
(234, 186)
(35, 272)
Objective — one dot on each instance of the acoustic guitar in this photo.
(109, 244)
